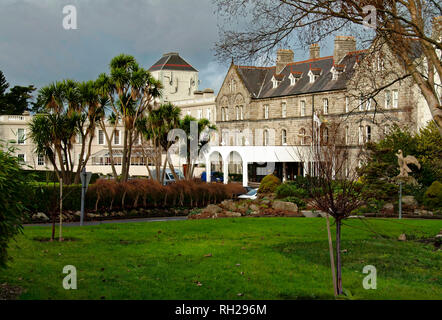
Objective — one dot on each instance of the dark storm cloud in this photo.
(36, 49)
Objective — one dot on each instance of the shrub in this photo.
(269, 184)
(433, 195)
(299, 202)
(290, 190)
(14, 189)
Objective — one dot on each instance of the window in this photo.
(21, 136)
(41, 160)
(209, 114)
(368, 104)
(100, 137)
(361, 135)
(266, 138)
(361, 103)
(200, 114)
(116, 137)
(266, 111)
(226, 112)
(284, 110)
(303, 136)
(302, 108)
(21, 158)
(395, 99)
(241, 112)
(347, 105)
(325, 135)
(284, 137)
(223, 115)
(367, 133)
(237, 113)
(387, 99)
(325, 101)
(347, 135)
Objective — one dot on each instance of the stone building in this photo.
(265, 114)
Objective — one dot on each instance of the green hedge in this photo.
(50, 176)
(433, 195)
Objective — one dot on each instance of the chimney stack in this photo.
(283, 57)
(343, 45)
(315, 51)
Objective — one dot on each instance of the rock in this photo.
(228, 205)
(310, 214)
(254, 207)
(266, 202)
(77, 213)
(402, 237)
(285, 206)
(40, 216)
(422, 212)
(212, 209)
(388, 208)
(232, 214)
(409, 202)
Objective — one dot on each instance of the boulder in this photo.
(310, 214)
(422, 212)
(212, 209)
(254, 207)
(40, 216)
(409, 202)
(228, 205)
(77, 213)
(232, 214)
(388, 208)
(285, 206)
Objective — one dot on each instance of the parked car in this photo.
(214, 176)
(168, 176)
(252, 195)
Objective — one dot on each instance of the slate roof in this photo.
(172, 61)
(258, 79)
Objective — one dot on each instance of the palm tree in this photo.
(131, 92)
(203, 127)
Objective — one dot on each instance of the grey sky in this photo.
(36, 49)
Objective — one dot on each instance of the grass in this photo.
(251, 258)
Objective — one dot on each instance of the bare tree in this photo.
(410, 29)
(332, 181)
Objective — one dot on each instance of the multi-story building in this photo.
(266, 114)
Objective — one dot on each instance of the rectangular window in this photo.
(100, 137)
(387, 99)
(368, 133)
(284, 110)
(347, 136)
(347, 105)
(116, 137)
(200, 114)
(209, 115)
(368, 104)
(325, 106)
(21, 136)
(302, 108)
(361, 103)
(41, 160)
(21, 158)
(266, 111)
(241, 112)
(395, 99)
(361, 135)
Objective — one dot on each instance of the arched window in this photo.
(266, 137)
(284, 137)
(325, 135)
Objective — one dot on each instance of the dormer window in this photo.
(276, 80)
(294, 77)
(314, 74)
(336, 70)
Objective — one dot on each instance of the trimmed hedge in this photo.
(108, 195)
(50, 176)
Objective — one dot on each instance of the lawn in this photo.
(244, 258)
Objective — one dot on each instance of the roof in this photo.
(258, 79)
(172, 61)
